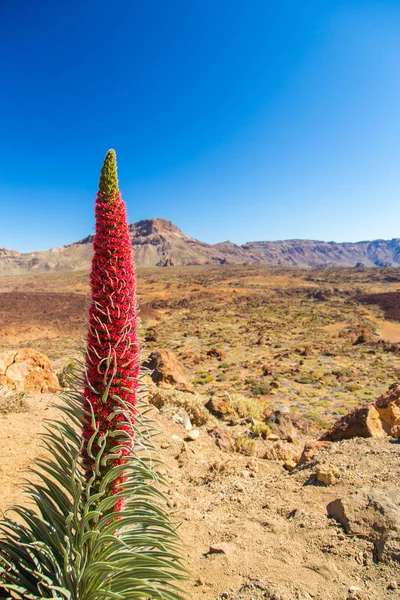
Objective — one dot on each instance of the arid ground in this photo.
(318, 341)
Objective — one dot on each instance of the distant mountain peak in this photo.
(158, 242)
(153, 226)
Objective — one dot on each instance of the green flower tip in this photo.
(108, 175)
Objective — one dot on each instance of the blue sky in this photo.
(236, 119)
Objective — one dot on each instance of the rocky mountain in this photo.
(158, 242)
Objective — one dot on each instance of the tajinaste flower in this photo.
(112, 355)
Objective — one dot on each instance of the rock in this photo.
(27, 370)
(221, 407)
(221, 548)
(327, 474)
(280, 424)
(388, 406)
(290, 465)
(388, 547)
(358, 335)
(193, 434)
(287, 425)
(361, 422)
(374, 515)
(266, 370)
(364, 336)
(186, 422)
(310, 450)
(374, 420)
(217, 353)
(393, 585)
(151, 335)
(223, 439)
(167, 372)
(307, 351)
(355, 593)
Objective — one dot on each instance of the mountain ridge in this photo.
(158, 242)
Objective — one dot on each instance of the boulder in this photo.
(27, 370)
(310, 450)
(221, 407)
(280, 424)
(217, 353)
(287, 425)
(327, 474)
(358, 334)
(167, 372)
(374, 420)
(372, 514)
(223, 439)
(361, 422)
(388, 406)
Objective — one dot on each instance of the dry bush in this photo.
(261, 430)
(192, 403)
(282, 451)
(246, 407)
(11, 402)
(244, 445)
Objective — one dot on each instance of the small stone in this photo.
(355, 593)
(176, 438)
(273, 437)
(245, 473)
(393, 585)
(327, 475)
(290, 465)
(221, 548)
(193, 434)
(186, 421)
(165, 445)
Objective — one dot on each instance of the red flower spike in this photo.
(112, 354)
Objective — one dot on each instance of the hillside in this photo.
(158, 242)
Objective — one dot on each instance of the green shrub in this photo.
(260, 389)
(305, 379)
(244, 445)
(246, 407)
(261, 430)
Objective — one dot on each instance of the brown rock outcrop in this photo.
(374, 420)
(361, 422)
(310, 450)
(217, 353)
(388, 406)
(287, 425)
(27, 370)
(280, 424)
(221, 407)
(167, 372)
(372, 514)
